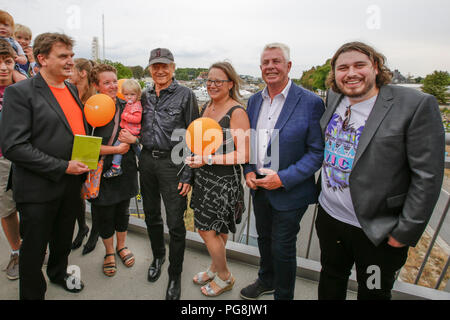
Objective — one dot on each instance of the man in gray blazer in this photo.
(381, 176)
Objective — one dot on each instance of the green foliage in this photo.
(314, 78)
(436, 84)
(122, 71)
(141, 83)
(188, 73)
(138, 72)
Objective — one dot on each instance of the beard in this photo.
(357, 92)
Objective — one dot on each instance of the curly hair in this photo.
(384, 75)
(96, 70)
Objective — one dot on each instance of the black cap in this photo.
(160, 55)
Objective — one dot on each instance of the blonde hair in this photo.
(24, 30)
(232, 75)
(133, 86)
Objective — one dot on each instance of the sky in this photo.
(414, 35)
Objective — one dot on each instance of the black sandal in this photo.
(110, 268)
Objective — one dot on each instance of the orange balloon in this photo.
(99, 110)
(119, 89)
(204, 136)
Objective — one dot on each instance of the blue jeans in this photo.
(277, 239)
(117, 158)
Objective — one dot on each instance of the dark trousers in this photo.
(112, 218)
(45, 223)
(158, 177)
(343, 245)
(277, 239)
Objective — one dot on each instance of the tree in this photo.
(436, 84)
(122, 71)
(314, 78)
(138, 72)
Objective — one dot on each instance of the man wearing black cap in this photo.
(167, 106)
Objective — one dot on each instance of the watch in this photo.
(209, 160)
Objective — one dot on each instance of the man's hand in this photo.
(270, 182)
(123, 148)
(185, 188)
(126, 137)
(76, 168)
(394, 243)
(194, 162)
(250, 180)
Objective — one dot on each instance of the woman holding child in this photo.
(111, 205)
(217, 191)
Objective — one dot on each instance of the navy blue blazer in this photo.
(300, 147)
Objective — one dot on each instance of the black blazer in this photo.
(37, 138)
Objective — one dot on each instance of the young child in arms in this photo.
(130, 120)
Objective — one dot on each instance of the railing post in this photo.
(311, 230)
(436, 233)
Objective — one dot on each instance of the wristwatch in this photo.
(209, 160)
(137, 141)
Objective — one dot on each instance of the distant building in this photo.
(398, 77)
(94, 49)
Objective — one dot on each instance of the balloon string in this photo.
(184, 164)
(89, 176)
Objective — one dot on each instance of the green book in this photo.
(86, 149)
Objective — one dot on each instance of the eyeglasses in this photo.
(347, 115)
(217, 83)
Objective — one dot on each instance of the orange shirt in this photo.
(70, 108)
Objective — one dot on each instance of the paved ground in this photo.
(132, 283)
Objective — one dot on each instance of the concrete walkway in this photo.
(132, 284)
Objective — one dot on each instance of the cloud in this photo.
(413, 34)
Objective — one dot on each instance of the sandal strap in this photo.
(109, 254)
(222, 284)
(119, 251)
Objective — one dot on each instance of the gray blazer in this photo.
(399, 164)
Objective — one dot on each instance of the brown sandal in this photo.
(128, 260)
(109, 268)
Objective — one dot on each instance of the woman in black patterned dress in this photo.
(217, 189)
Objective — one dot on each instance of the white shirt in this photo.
(341, 145)
(268, 116)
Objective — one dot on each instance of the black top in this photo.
(175, 108)
(125, 186)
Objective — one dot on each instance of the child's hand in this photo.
(21, 59)
(29, 53)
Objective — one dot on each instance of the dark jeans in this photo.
(112, 218)
(158, 177)
(277, 239)
(343, 245)
(45, 223)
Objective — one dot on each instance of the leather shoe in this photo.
(71, 284)
(79, 238)
(155, 269)
(91, 243)
(174, 288)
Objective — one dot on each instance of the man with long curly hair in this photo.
(381, 175)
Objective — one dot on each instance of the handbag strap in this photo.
(116, 126)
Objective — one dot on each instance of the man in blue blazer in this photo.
(287, 150)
